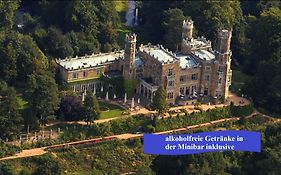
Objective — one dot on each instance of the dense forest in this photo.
(32, 35)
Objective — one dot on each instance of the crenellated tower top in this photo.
(131, 37)
(129, 56)
(187, 29)
(224, 39)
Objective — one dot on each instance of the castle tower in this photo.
(223, 62)
(224, 39)
(129, 56)
(187, 29)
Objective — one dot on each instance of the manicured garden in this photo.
(108, 110)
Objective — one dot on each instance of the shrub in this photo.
(240, 111)
(7, 169)
(149, 128)
(6, 149)
(48, 166)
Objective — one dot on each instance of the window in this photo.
(170, 72)
(220, 81)
(85, 74)
(75, 75)
(182, 91)
(170, 95)
(207, 68)
(206, 90)
(194, 76)
(171, 83)
(207, 77)
(98, 71)
(182, 78)
(220, 68)
(187, 90)
(218, 93)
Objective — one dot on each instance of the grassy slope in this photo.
(239, 79)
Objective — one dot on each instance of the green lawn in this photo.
(239, 79)
(114, 110)
(121, 6)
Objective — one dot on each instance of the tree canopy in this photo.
(172, 24)
(91, 109)
(10, 118)
(159, 101)
(43, 95)
(7, 14)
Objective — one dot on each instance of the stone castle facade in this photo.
(196, 71)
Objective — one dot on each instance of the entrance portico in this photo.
(147, 89)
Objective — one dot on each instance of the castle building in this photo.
(196, 71)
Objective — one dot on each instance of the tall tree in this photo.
(264, 31)
(265, 87)
(10, 118)
(82, 16)
(172, 25)
(159, 101)
(264, 62)
(42, 95)
(31, 59)
(108, 23)
(20, 57)
(57, 44)
(151, 13)
(91, 109)
(82, 43)
(70, 108)
(7, 14)
(8, 59)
